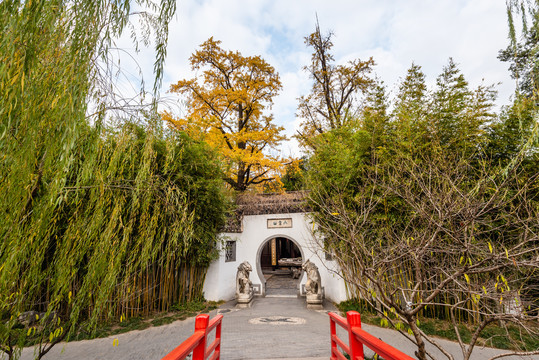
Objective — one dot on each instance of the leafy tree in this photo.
(423, 224)
(145, 216)
(375, 117)
(457, 114)
(516, 133)
(294, 175)
(522, 55)
(412, 93)
(523, 64)
(73, 209)
(333, 101)
(509, 133)
(410, 112)
(339, 159)
(226, 108)
(433, 232)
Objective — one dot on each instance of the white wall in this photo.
(221, 276)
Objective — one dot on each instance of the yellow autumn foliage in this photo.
(225, 108)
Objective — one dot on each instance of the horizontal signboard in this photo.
(279, 223)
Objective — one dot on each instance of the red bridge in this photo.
(357, 338)
(196, 343)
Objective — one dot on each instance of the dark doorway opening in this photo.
(284, 249)
(280, 261)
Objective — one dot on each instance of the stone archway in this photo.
(259, 261)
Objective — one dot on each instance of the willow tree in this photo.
(521, 53)
(53, 55)
(226, 108)
(519, 129)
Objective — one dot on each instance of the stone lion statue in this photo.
(243, 284)
(313, 286)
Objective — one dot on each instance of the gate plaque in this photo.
(279, 223)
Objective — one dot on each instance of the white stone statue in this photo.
(313, 286)
(244, 289)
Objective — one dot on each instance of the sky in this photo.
(395, 33)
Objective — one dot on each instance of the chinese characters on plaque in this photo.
(279, 223)
(273, 252)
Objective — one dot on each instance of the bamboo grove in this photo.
(97, 220)
(429, 200)
(425, 211)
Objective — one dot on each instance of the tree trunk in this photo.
(421, 352)
(241, 183)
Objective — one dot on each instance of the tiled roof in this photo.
(261, 204)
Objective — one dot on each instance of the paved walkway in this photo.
(273, 328)
(281, 284)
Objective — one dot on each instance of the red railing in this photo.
(197, 342)
(358, 337)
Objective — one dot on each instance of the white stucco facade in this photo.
(221, 276)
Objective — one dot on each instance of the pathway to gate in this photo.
(273, 328)
(280, 283)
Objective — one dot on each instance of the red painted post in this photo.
(218, 336)
(356, 347)
(333, 333)
(201, 324)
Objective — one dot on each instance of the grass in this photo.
(509, 337)
(178, 312)
(115, 327)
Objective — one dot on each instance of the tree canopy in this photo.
(334, 98)
(423, 216)
(226, 107)
(93, 217)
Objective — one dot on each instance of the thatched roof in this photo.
(261, 204)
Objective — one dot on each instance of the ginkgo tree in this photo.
(226, 107)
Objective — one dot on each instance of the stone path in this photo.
(273, 328)
(281, 284)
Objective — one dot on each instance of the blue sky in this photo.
(394, 32)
